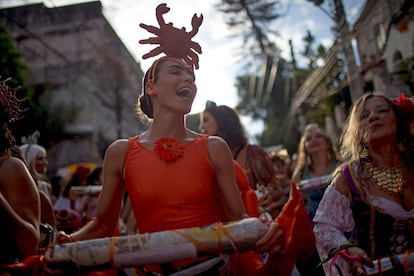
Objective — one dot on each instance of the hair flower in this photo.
(406, 106)
(404, 103)
(168, 149)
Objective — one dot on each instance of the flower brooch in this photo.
(168, 149)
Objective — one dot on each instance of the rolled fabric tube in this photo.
(314, 183)
(86, 190)
(159, 247)
(405, 260)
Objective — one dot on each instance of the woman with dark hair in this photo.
(367, 212)
(224, 122)
(19, 197)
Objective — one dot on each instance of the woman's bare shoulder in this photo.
(13, 168)
(216, 142)
(119, 146)
(13, 164)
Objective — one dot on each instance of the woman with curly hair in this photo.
(19, 197)
(367, 212)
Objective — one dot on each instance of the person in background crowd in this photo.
(89, 203)
(224, 122)
(317, 157)
(36, 158)
(367, 211)
(67, 217)
(281, 164)
(68, 200)
(19, 196)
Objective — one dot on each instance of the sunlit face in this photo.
(175, 86)
(41, 163)
(378, 120)
(315, 141)
(208, 124)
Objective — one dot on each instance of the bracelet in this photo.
(335, 251)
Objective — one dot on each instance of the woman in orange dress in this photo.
(175, 178)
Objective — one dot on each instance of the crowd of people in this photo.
(337, 210)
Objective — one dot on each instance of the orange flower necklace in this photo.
(168, 149)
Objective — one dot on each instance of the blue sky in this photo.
(218, 63)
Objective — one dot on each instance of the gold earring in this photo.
(364, 153)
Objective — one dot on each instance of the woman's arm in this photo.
(19, 202)
(334, 215)
(222, 162)
(110, 199)
(296, 177)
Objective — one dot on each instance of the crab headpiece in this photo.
(172, 41)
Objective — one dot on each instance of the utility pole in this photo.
(353, 77)
(345, 39)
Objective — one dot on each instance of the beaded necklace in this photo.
(390, 180)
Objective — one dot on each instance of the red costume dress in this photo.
(165, 196)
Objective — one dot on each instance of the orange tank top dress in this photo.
(172, 195)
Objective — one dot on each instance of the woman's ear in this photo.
(148, 88)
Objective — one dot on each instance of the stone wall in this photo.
(86, 72)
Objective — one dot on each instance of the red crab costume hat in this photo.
(173, 42)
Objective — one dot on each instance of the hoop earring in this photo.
(152, 92)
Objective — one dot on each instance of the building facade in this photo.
(83, 72)
(384, 38)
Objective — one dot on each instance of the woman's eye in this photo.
(383, 110)
(364, 114)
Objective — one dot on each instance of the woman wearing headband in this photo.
(175, 178)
